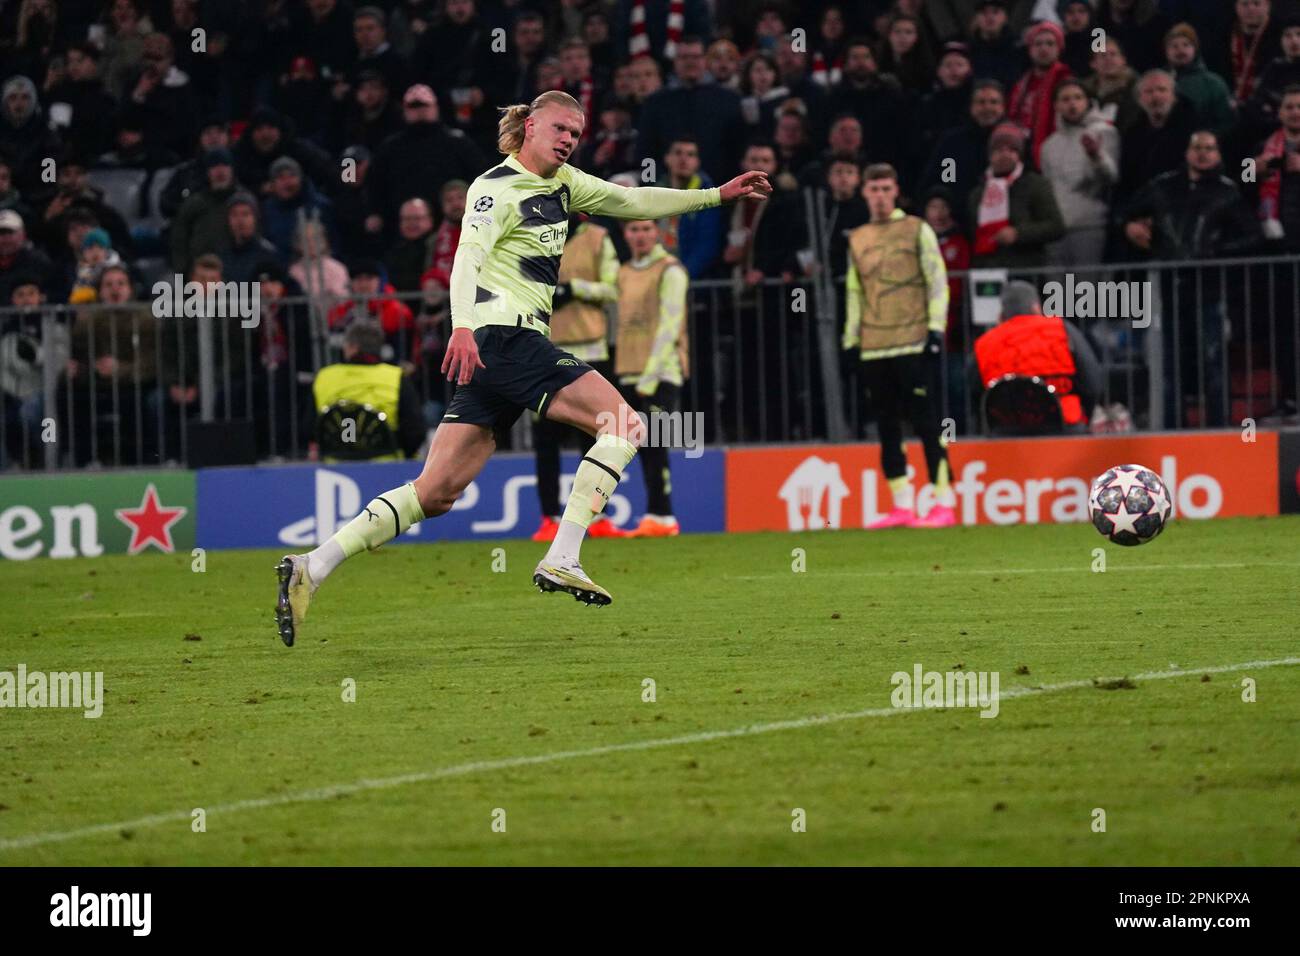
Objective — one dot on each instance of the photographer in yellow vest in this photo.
(588, 271)
(363, 379)
(651, 356)
(896, 314)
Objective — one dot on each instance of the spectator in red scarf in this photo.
(1034, 94)
(1014, 210)
(1254, 41)
(1278, 169)
(828, 48)
(656, 27)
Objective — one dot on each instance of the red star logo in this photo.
(150, 523)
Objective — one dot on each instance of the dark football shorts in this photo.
(524, 370)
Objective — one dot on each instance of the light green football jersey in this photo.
(520, 221)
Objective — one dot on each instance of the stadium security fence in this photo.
(1181, 345)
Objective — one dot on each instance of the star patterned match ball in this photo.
(1129, 504)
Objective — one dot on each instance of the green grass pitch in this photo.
(474, 693)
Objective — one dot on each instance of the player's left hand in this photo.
(752, 183)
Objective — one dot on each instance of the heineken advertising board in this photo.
(86, 515)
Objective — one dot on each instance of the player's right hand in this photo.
(461, 361)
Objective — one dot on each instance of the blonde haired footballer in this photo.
(500, 354)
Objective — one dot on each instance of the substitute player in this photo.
(897, 310)
(652, 355)
(500, 354)
(588, 273)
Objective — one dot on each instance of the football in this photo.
(1129, 504)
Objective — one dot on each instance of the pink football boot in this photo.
(897, 518)
(940, 516)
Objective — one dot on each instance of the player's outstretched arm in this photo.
(594, 195)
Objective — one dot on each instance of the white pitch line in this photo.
(509, 763)
(1066, 570)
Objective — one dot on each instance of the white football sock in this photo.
(598, 475)
(902, 493)
(567, 543)
(324, 560)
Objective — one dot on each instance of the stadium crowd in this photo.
(325, 148)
